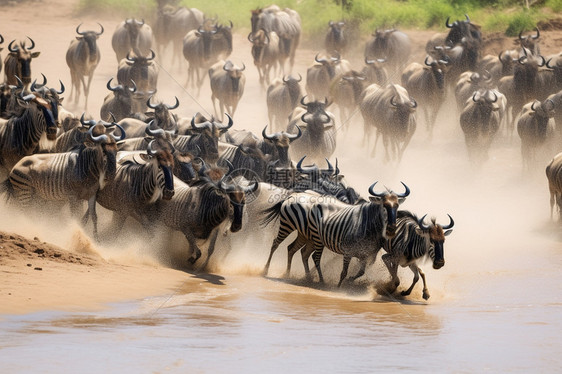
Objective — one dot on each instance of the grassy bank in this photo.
(507, 16)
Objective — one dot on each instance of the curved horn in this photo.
(149, 104)
(152, 55)
(129, 58)
(1, 39)
(307, 170)
(265, 136)
(229, 125)
(243, 67)
(495, 97)
(548, 64)
(26, 98)
(392, 102)
(521, 35)
(300, 77)
(89, 123)
(134, 88)
(373, 193)
(11, 48)
(123, 135)
(543, 62)
(251, 188)
(538, 34)
(20, 83)
(422, 225)
(177, 104)
(293, 137)
(426, 61)
(61, 88)
(101, 31)
(199, 126)
(467, 19)
(155, 133)
(302, 101)
(406, 192)
(108, 85)
(450, 225)
(149, 149)
(447, 24)
(32, 44)
(34, 85)
(533, 105)
(318, 60)
(250, 38)
(330, 167)
(99, 138)
(78, 30)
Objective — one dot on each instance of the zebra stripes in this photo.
(323, 221)
(413, 242)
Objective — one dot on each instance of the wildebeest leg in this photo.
(297, 244)
(414, 270)
(361, 271)
(87, 90)
(91, 211)
(392, 266)
(211, 249)
(346, 260)
(195, 251)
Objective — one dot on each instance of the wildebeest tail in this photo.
(271, 214)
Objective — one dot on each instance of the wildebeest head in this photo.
(462, 29)
(23, 56)
(374, 71)
(133, 28)
(50, 94)
(278, 143)
(162, 116)
(207, 32)
(207, 135)
(544, 109)
(531, 42)
(89, 37)
(329, 64)
(436, 234)
(316, 119)
(237, 196)
(438, 67)
(486, 98)
(162, 151)
(46, 108)
(235, 73)
(102, 133)
(390, 201)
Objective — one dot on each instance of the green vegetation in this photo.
(509, 16)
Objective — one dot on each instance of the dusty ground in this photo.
(35, 275)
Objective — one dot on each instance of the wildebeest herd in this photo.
(196, 174)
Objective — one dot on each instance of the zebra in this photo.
(20, 135)
(70, 176)
(413, 242)
(351, 230)
(141, 179)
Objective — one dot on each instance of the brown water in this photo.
(496, 305)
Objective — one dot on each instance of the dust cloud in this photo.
(500, 213)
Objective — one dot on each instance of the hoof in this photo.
(425, 295)
(404, 293)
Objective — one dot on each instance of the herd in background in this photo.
(195, 174)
